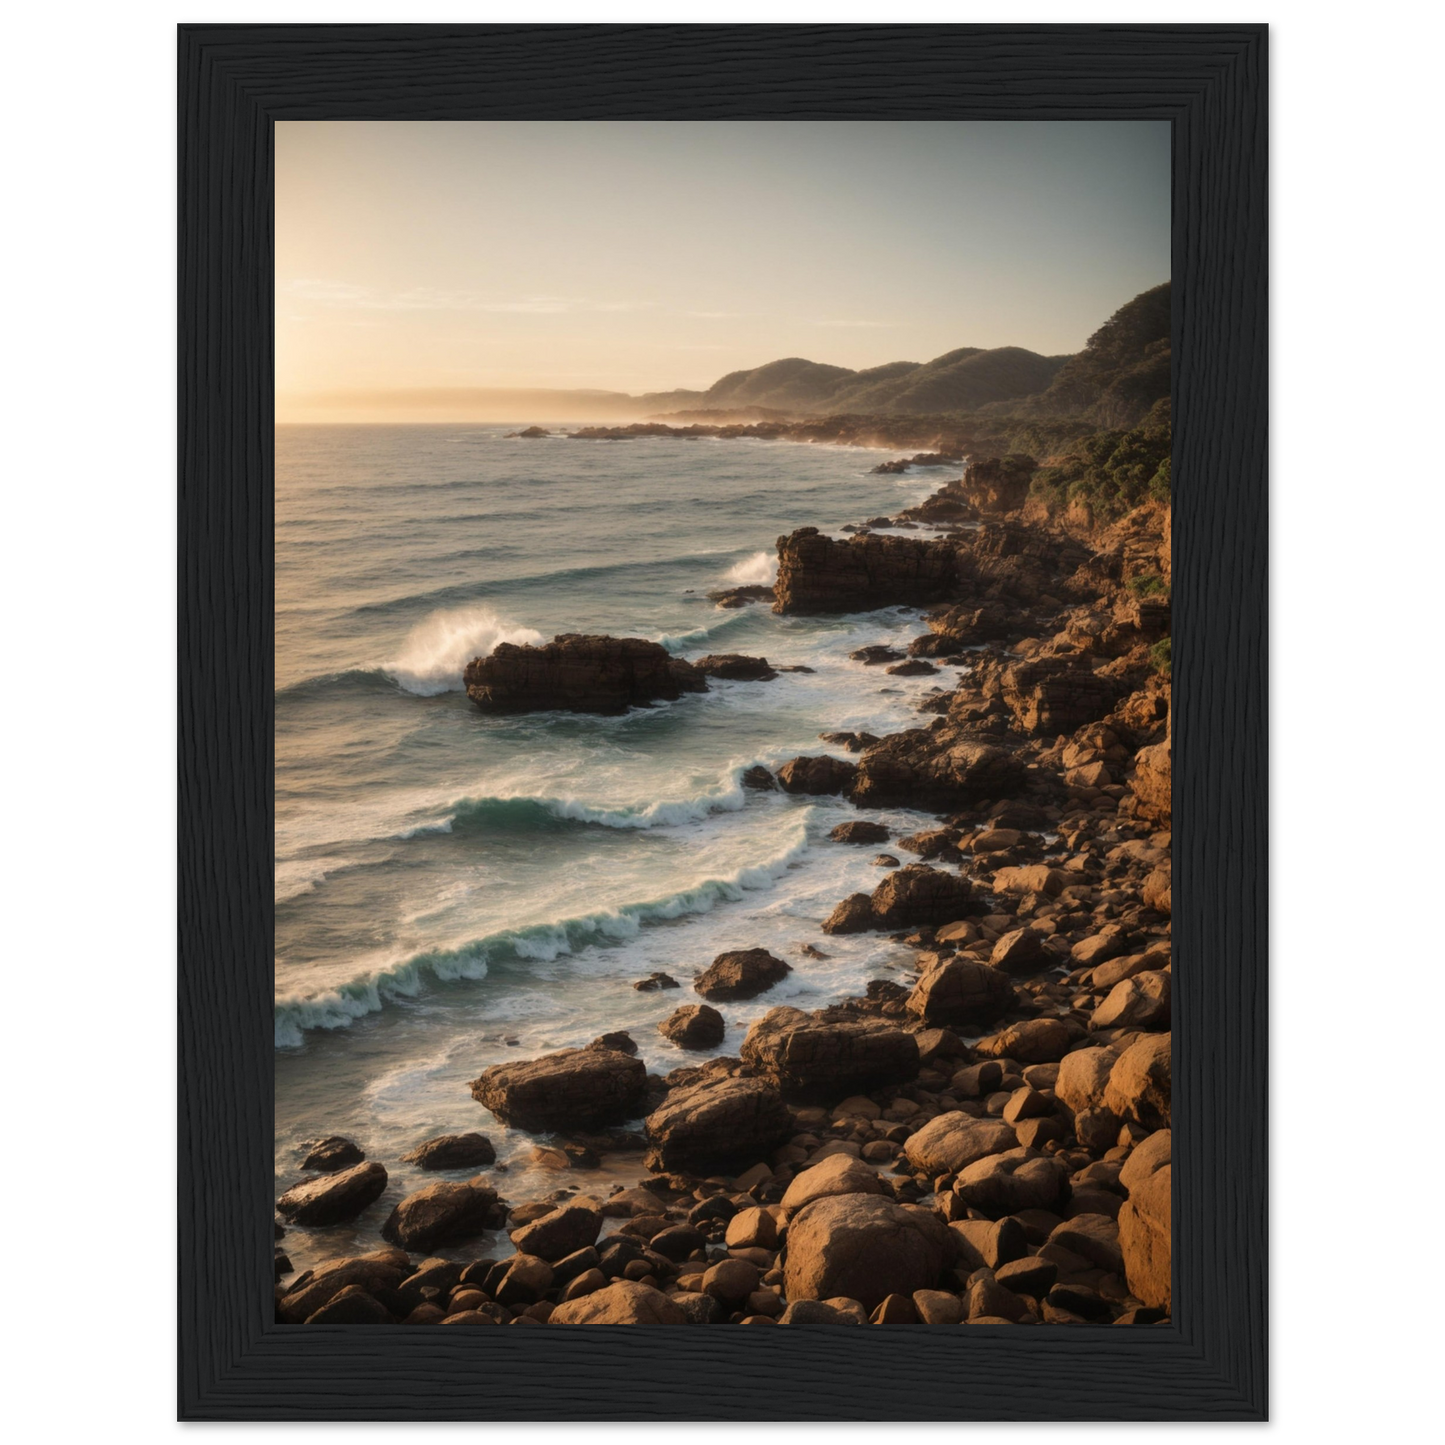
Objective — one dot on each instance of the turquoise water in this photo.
(454, 890)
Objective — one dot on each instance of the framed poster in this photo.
(677, 832)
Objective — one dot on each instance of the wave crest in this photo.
(759, 570)
(438, 648)
(296, 1014)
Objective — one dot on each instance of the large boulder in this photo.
(380, 1270)
(819, 575)
(955, 1140)
(577, 673)
(859, 830)
(863, 1247)
(1153, 783)
(1159, 889)
(1012, 1181)
(1141, 1082)
(915, 894)
(934, 769)
(812, 1056)
(1083, 1077)
(1144, 1237)
(333, 1198)
(1021, 953)
(332, 1153)
(453, 1151)
(835, 1175)
(442, 1212)
(1031, 1041)
(573, 1089)
(716, 1122)
(818, 776)
(625, 1302)
(1140, 1002)
(568, 1228)
(961, 991)
(694, 1026)
(742, 974)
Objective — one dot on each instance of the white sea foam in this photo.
(759, 570)
(438, 649)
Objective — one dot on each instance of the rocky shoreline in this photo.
(989, 1145)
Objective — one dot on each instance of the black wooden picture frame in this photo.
(1209, 1363)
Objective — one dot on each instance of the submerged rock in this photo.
(735, 667)
(579, 673)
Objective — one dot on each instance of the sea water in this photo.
(455, 890)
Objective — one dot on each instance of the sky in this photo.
(642, 256)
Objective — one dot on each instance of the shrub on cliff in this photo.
(1112, 471)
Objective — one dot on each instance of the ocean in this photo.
(455, 890)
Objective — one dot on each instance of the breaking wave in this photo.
(438, 648)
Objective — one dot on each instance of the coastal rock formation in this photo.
(453, 1151)
(934, 768)
(1012, 1181)
(961, 991)
(817, 776)
(571, 1226)
(735, 667)
(997, 484)
(332, 1153)
(734, 597)
(838, 1174)
(967, 624)
(573, 1089)
(333, 1198)
(1144, 1220)
(953, 1141)
(1140, 1083)
(579, 673)
(813, 1055)
(444, 1211)
(819, 575)
(741, 974)
(859, 830)
(378, 1271)
(716, 1121)
(864, 1248)
(694, 1026)
(624, 1303)
(1153, 782)
(914, 894)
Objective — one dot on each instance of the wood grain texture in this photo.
(235, 1363)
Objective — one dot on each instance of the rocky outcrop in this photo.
(997, 484)
(818, 776)
(914, 894)
(815, 1056)
(573, 1089)
(735, 667)
(864, 1248)
(333, 1198)
(966, 624)
(453, 1151)
(717, 1121)
(1049, 696)
(693, 1026)
(935, 768)
(579, 673)
(741, 974)
(838, 1174)
(1153, 782)
(818, 575)
(443, 1212)
(735, 597)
